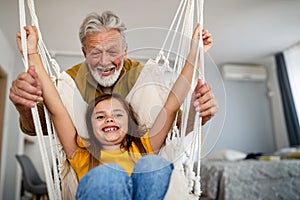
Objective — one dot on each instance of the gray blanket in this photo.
(250, 179)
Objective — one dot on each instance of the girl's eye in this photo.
(100, 117)
(118, 115)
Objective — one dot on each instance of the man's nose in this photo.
(104, 59)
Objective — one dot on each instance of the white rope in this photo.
(179, 49)
(34, 110)
(198, 121)
(56, 164)
(184, 49)
(188, 33)
(176, 29)
(44, 54)
(45, 159)
(171, 26)
(184, 17)
(175, 133)
(53, 185)
(23, 33)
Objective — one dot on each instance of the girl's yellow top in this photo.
(125, 159)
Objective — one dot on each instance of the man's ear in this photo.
(125, 52)
(83, 51)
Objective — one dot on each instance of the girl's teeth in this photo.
(110, 129)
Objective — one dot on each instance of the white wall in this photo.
(248, 125)
(247, 117)
(254, 114)
(10, 60)
(11, 131)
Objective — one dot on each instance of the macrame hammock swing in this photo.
(149, 91)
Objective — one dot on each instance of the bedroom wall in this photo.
(11, 133)
(10, 60)
(248, 123)
(254, 115)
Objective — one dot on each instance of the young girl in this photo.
(114, 136)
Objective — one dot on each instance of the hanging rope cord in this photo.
(53, 184)
(185, 16)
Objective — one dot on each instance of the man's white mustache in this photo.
(106, 68)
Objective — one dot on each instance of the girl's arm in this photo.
(179, 91)
(62, 122)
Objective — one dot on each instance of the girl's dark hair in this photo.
(134, 131)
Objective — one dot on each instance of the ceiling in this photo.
(244, 31)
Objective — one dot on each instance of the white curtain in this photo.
(292, 61)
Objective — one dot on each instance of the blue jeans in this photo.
(149, 180)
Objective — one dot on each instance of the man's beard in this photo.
(106, 81)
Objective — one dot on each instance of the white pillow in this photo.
(150, 92)
(230, 155)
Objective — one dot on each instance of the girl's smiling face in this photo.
(110, 123)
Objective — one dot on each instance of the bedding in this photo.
(250, 179)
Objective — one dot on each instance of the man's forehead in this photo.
(104, 40)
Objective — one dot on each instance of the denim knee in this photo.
(150, 163)
(151, 177)
(105, 181)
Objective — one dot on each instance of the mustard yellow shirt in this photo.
(125, 159)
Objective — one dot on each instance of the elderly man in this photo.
(105, 70)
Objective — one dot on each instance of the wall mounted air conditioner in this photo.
(244, 72)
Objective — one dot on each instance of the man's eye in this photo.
(113, 53)
(95, 54)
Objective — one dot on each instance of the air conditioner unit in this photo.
(244, 72)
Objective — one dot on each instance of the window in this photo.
(292, 60)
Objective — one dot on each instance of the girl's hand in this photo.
(206, 36)
(32, 39)
(207, 40)
(207, 43)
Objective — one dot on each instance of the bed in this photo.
(250, 179)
